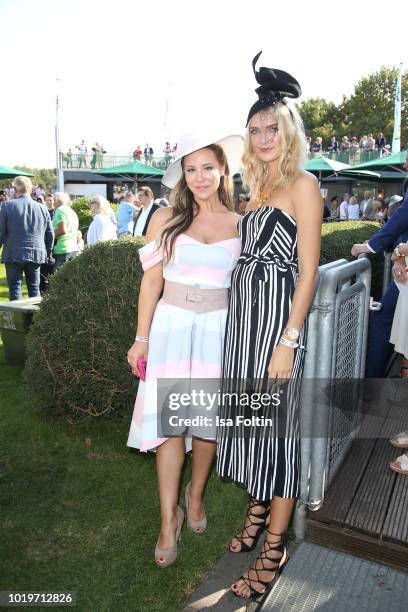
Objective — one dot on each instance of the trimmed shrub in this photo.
(82, 209)
(337, 240)
(77, 345)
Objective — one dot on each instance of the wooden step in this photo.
(357, 543)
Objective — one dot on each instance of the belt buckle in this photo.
(194, 297)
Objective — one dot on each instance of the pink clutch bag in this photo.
(141, 366)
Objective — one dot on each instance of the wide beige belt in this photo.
(194, 298)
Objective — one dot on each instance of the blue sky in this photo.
(122, 63)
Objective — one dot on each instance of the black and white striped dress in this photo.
(263, 458)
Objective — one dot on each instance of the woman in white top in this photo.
(353, 209)
(101, 227)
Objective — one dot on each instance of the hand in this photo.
(358, 249)
(137, 350)
(281, 363)
(398, 271)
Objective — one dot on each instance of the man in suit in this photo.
(146, 212)
(27, 235)
(392, 233)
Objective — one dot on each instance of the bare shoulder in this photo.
(235, 218)
(305, 181)
(306, 199)
(158, 220)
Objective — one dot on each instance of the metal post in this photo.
(60, 172)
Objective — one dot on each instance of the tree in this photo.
(41, 176)
(321, 118)
(371, 107)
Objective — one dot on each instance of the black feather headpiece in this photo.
(274, 86)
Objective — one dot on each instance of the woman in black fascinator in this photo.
(271, 290)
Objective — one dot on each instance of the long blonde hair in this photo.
(102, 205)
(293, 156)
(183, 204)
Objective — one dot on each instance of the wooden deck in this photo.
(365, 511)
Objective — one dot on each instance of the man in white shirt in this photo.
(344, 207)
(146, 196)
(364, 203)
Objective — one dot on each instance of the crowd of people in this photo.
(82, 157)
(349, 146)
(370, 208)
(47, 222)
(146, 155)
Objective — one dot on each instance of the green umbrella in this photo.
(6, 172)
(130, 170)
(325, 166)
(387, 161)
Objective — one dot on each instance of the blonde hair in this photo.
(353, 200)
(61, 198)
(23, 184)
(182, 203)
(102, 205)
(292, 158)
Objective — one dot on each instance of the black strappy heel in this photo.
(260, 523)
(276, 568)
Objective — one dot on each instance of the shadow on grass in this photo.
(80, 512)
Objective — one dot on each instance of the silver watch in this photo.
(292, 333)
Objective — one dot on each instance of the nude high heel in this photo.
(169, 554)
(195, 526)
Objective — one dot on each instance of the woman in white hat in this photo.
(271, 290)
(190, 252)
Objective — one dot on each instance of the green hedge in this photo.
(337, 240)
(77, 346)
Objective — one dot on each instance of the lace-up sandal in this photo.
(169, 555)
(270, 565)
(258, 521)
(195, 526)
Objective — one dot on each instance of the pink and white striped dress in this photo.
(182, 343)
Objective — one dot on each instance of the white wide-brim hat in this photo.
(233, 146)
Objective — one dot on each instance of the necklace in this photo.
(265, 196)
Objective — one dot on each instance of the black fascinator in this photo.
(274, 86)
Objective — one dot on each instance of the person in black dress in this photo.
(271, 290)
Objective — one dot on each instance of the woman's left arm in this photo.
(307, 203)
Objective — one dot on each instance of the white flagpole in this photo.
(396, 137)
(60, 172)
(166, 108)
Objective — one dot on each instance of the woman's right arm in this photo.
(149, 294)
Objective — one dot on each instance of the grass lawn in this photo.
(80, 512)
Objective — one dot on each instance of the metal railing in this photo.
(98, 161)
(336, 348)
(351, 157)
